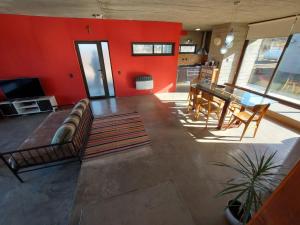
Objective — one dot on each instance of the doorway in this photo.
(94, 60)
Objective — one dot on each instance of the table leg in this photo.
(223, 115)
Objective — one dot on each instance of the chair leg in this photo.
(256, 128)
(244, 131)
(230, 123)
(207, 117)
(231, 117)
(206, 122)
(189, 107)
(197, 111)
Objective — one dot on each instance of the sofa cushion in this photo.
(86, 101)
(80, 105)
(64, 133)
(78, 112)
(74, 119)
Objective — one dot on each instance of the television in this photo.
(21, 88)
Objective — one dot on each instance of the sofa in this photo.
(60, 138)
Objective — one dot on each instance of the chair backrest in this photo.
(260, 110)
(207, 96)
(193, 92)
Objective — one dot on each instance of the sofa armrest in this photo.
(39, 155)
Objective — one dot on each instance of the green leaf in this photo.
(257, 177)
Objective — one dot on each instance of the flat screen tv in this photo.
(21, 88)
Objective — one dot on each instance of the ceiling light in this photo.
(223, 50)
(229, 38)
(229, 45)
(197, 29)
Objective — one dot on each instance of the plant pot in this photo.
(232, 212)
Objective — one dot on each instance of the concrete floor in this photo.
(47, 195)
(170, 181)
(14, 130)
(173, 180)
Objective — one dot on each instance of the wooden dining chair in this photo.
(234, 108)
(192, 96)
(254, 114)
(209, 104)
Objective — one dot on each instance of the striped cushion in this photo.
(86, 101)
(80, 105)
(78, 112)
(64, 133)
(73, 119)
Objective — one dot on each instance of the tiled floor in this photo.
(173, 179)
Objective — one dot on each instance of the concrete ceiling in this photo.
(192, 13)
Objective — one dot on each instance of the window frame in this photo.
(265, 93)
(153, 44)
(180, 52)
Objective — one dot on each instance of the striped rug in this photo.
(115, 133)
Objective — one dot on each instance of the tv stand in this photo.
(28, 106)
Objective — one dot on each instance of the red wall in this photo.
(43, 47)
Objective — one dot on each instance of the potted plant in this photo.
(256, 178)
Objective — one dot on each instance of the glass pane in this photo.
(107, 64)
(187, 48)
(286, 81)
(260, 60)
(142, 48)
(91, 65)
(158, 49)
(167, 49)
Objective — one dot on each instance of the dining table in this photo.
(229, 94)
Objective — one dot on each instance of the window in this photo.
(286, 81)
(260, 60)
(271, 66)
(187, 48)
(152, 49)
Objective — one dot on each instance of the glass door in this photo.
(94, 68)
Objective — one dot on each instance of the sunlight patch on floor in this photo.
(268, 132)
(172, 96)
